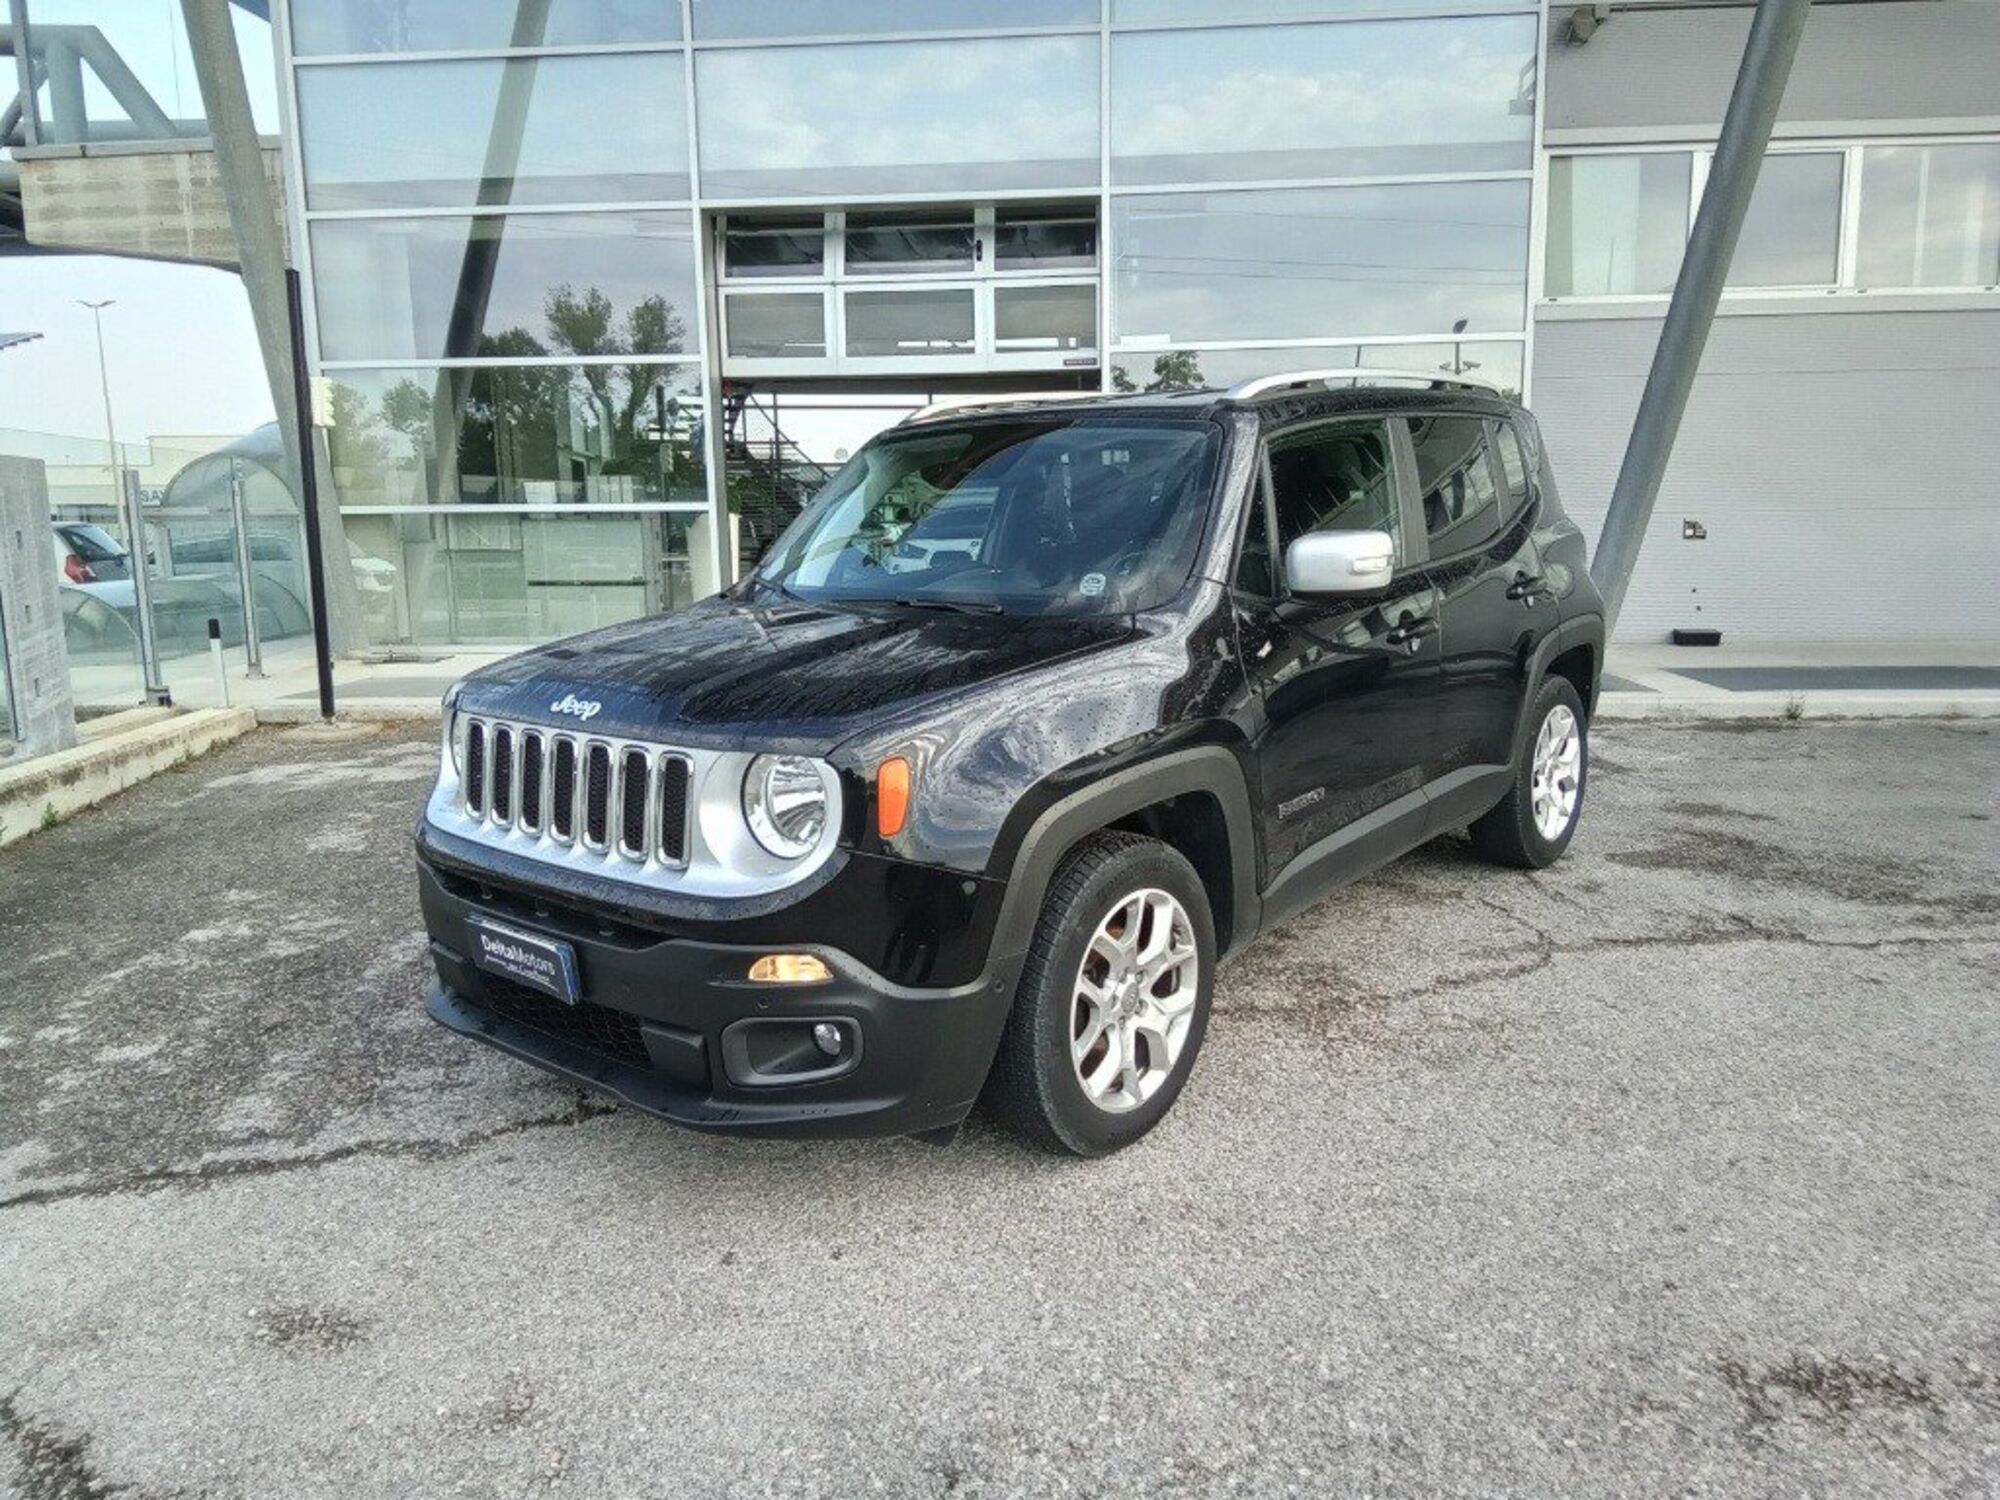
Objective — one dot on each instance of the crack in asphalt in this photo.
(207, 1174)
(49, 1464)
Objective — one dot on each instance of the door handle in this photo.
(1528, 587)
(1411, 633)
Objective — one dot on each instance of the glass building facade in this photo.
(549, 241)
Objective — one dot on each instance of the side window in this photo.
(1256, 569)
(1513, 465)
(1461, 505)
(1336, 478)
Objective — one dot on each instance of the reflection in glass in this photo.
(1027, 318)
(1043, 239)
(776, 247)
(324, 26)
(1930, 216)
(1791, 233)
(753, 18)
(624, 434)
(1389, 98)
(1617, 223)
(909, 323)
(775, 325)
(952, 117)
(1157, 12)
(900, 244)
(531, 130)
(529, 284)
(1293, 263)
(1193, 369)
(512, 577)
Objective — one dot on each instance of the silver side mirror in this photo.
(1323, 563)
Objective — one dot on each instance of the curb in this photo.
(51, 788)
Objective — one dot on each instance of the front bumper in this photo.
(663, 1021)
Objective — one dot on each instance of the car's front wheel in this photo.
(1535, 821)
(1113, 1001)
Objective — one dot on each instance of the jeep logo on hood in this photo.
(577, 708)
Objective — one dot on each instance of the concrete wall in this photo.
(159, 200)
(1666, 74)
(44, 718)
(1844, 465)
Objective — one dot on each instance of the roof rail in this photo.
(1360, 375)
(962, 405)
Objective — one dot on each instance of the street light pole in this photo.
(125, 494)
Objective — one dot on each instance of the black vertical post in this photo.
(309, 492)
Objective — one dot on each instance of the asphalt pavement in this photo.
(1674, 1170)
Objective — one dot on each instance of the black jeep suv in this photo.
(1037, 711)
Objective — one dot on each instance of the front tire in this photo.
(1535, 821)
(1113, 1002)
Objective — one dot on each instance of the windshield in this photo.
(1036, 515)
(91, 543)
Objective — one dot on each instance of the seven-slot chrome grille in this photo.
(614, 798)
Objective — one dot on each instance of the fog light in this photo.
(827, 1037)
(789, 968)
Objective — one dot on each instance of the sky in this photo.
(179, 344)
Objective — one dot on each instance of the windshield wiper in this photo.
(957, 606)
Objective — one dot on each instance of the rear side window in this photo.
(1513, 465)
(1461, 503)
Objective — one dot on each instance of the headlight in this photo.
(451, 742)
(784, 802)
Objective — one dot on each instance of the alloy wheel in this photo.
(1556, 773)
(1134, 999)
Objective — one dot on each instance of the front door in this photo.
(1473, 489)
(1348, 687)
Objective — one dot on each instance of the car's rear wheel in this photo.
(1113, 1001)
(1535, 821)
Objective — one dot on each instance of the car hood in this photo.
(799, 677)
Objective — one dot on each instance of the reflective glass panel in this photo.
(751, 18)
(525, 284)
(1031, 318)
(1163, 12)
(775, 325)
(899, 244)
(1617, 224)
(1791, 234)
(1930, 216)
(1293, 263)
(1045, 240)
(909, 323)
(1191, 369)
(947, 116)
(322, 26)
(789, 247)
(1389, 98)
(479, 131)
(537, 435)
(509, 577)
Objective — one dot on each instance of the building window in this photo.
(1791, 233)
(1050, 318)
(1617, 223)
(1028, 239)
(774, 325)
(754, 248)
(1375, 99)
(910, 324)
(1930, 216)
(340, 26)
(948, 117)
(925, 242)
(414, 134)
(1415, 258)
(519, 286)
(732, 19)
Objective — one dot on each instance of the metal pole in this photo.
(246, 576)
(142, 596)
(1739, 152)
(309, 493)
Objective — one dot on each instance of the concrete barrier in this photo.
(43, 792)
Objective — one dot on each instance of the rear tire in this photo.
(1113, 1002)
(1535, 821)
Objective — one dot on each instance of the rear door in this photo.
(1474, 494)
(1348, 686)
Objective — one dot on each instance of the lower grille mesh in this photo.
(597, 1029)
